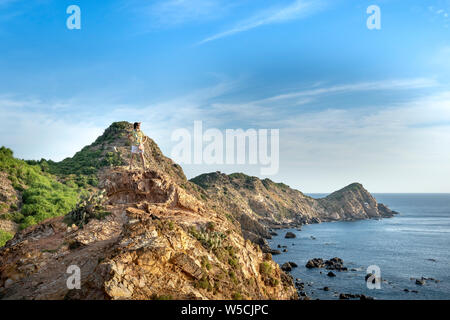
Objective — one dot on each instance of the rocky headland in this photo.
(154, 234)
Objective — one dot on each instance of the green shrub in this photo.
(265, 268)
(237, 296)
(205, 263)
(210, 240)
(203, 283)
(4, 237)
(233, 262)
(233, 277)
(89, 207)
(273, 282)
(43, 196)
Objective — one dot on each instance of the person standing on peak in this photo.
(138, 139)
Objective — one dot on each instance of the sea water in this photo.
(413, 244)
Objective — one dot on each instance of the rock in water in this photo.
(331, 274)
(332, 264)
(335, 264)
(286, 267)
(315, 263)
(290, 235)
(420, 282)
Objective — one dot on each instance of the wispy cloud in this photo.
(441, 14)
(398, 84)
(296, 10)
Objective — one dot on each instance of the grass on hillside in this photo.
(4, 236)
(43, 196)
(81, 170)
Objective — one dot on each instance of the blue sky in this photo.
(351, 104)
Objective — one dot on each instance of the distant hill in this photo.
(276, 205)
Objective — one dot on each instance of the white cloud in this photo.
(36, 135)
(397, 148)
(401, 147)
(296, 10)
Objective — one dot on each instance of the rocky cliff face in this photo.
(351, 203)
(158, 242)
(262, 204)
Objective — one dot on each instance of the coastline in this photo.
(421, 277)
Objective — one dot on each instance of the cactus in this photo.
(89, 207)
(210, 239)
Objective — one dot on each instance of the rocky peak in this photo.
(353, 202)
(111, 149)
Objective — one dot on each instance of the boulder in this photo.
(315, 263)
(286, 267)
(367, 276)
(335, 264)
(344, 296)
(420, 282)
(188, 265)
(271, 251)
(290, 235)
(332, 264)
